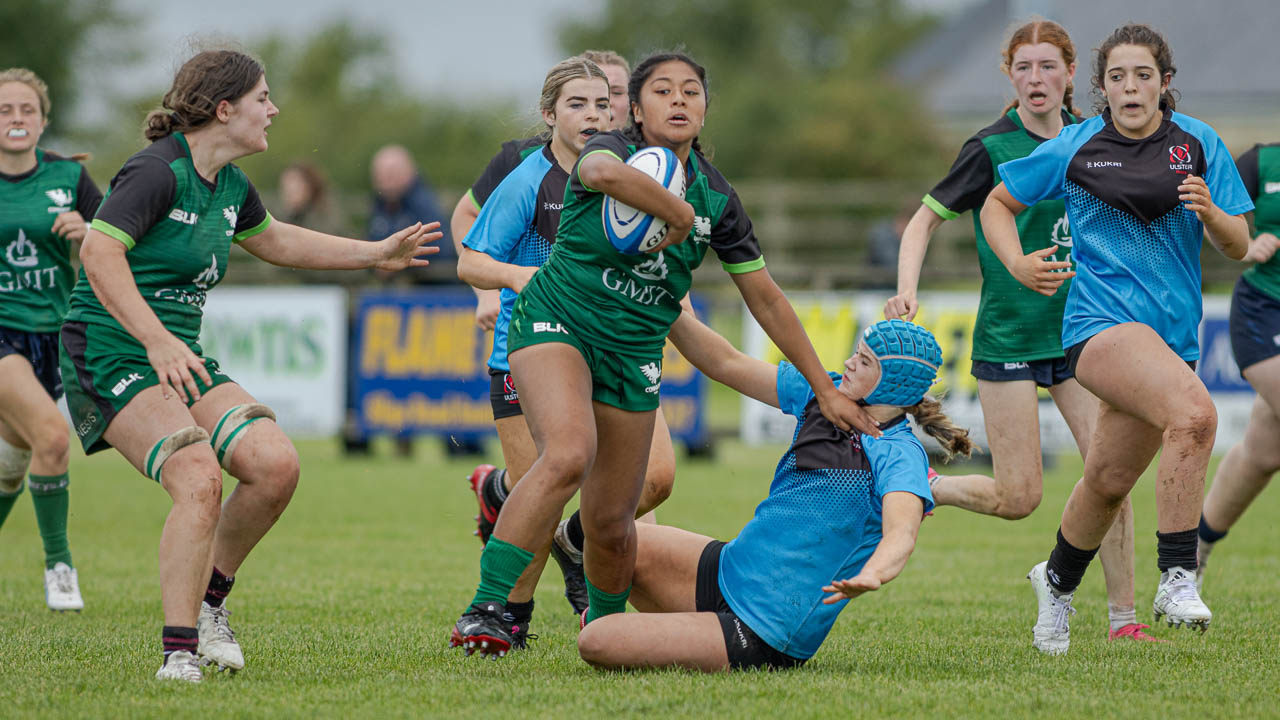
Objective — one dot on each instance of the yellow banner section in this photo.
(426, 341)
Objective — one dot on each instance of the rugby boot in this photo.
(1178, 602)
(1052, 631)
(180, 665)
(569, 559)
(488, 512)
(483, 628)
(218, 644)
(62, 588)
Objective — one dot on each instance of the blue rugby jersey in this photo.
(517, 225)
(1136, 247)
(820, 522)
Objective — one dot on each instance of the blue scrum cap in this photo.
(909, 360)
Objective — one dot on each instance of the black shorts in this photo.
(1046, 373)
(1254, 325)
(41, 350)
(1073, 355)
(503, 397)
(744, 647)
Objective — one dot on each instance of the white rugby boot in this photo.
(180, 665)
(62, 588)
(1178, 601)
(1052, 632)
(218, 644)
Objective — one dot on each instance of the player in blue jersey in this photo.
(840, 520)
(45, 204)
(1143, 185)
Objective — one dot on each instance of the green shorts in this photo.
(103, 368)
(624, 380)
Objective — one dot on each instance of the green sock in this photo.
(49, 495)
(602, 603)
(501, 565)
(6, 504)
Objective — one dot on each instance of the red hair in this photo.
(1034, 33)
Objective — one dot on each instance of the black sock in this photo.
(179, 638)
(521, 613)
(1208, 534)
(1067, 564)
(1176, 549)
(495, 493)
(219, 586)
(573, 529)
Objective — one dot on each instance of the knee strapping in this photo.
(170, 444)
(231, 426)
(13, 467)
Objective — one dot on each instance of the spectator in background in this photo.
(401, 193)
(305, 200)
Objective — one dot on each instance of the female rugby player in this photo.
(136, 377)
(1143, 185)
(44, 200)
(1017, 336)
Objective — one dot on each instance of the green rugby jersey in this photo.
(1260, 170)
(35, 267)
(178, 228)
(1014, 323)
(626, 303)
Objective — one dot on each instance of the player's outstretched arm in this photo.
(481, 271)
(902, 514)
(297, 247)
(488, 302)
(719, 360)
(915, 241)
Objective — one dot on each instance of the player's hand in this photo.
(175, 364)
(488, 304)
(847, 414)
(70, 226)
(851, 588)
(1041, 274)
(677, 232)
(1194, 194)
(520, 276)
(903, 305)
(408, 247)
(1262, 248)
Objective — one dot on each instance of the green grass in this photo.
(344, 611)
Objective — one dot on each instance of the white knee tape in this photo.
(170, 444)
(231, 427)
(13, 467)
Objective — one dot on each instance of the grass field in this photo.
(344, 611)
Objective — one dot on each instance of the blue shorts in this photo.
(1254, 325)
(744, 647)
(1045, 373)
(41, 350)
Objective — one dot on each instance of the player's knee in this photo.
(568, 462)
(273, 467)
(1113, 484)
(52, 441)
(613, 532)
(194, 481)
(658, 483)
(1018, 504)
(594, 646)
(1262, 458)
(1196, 425)
(14, 462)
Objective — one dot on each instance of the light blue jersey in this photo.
(1136, 247)
(820, 523)
(517, 226)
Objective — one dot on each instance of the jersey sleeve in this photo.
(500, 165)
(88, 196)
(1226, 187)
(899, 464)
(793, 390)
(502, 223)
(1040, 175)
(966, 185)
(140, 196)
(253, 217)
(734, 239)
(1247, 166)
(612, 143)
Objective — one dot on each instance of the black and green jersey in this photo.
(1015, 323)
(626, 303)
(1260, 170)
(35, 267)
(509, 157)
(178, 228)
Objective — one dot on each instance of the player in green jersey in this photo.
(586, 339)
(1017, 344)
(44, 201)
(137, 379)
(1255, 340)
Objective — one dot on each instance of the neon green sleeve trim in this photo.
(107, 228)
(610, 153)
(246, 234)
(472, 197)
(939, 208)
(744, 267)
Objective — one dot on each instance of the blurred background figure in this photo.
(305, 200)
(400, 194)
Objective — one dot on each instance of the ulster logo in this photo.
(1180, 158)
(22, 252)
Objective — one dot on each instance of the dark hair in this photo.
(929, 416)
(1034, 33)
(313, 178)
(1143, 36)
(201, 84)
(640, 76)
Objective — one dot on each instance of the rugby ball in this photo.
(633, 232)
